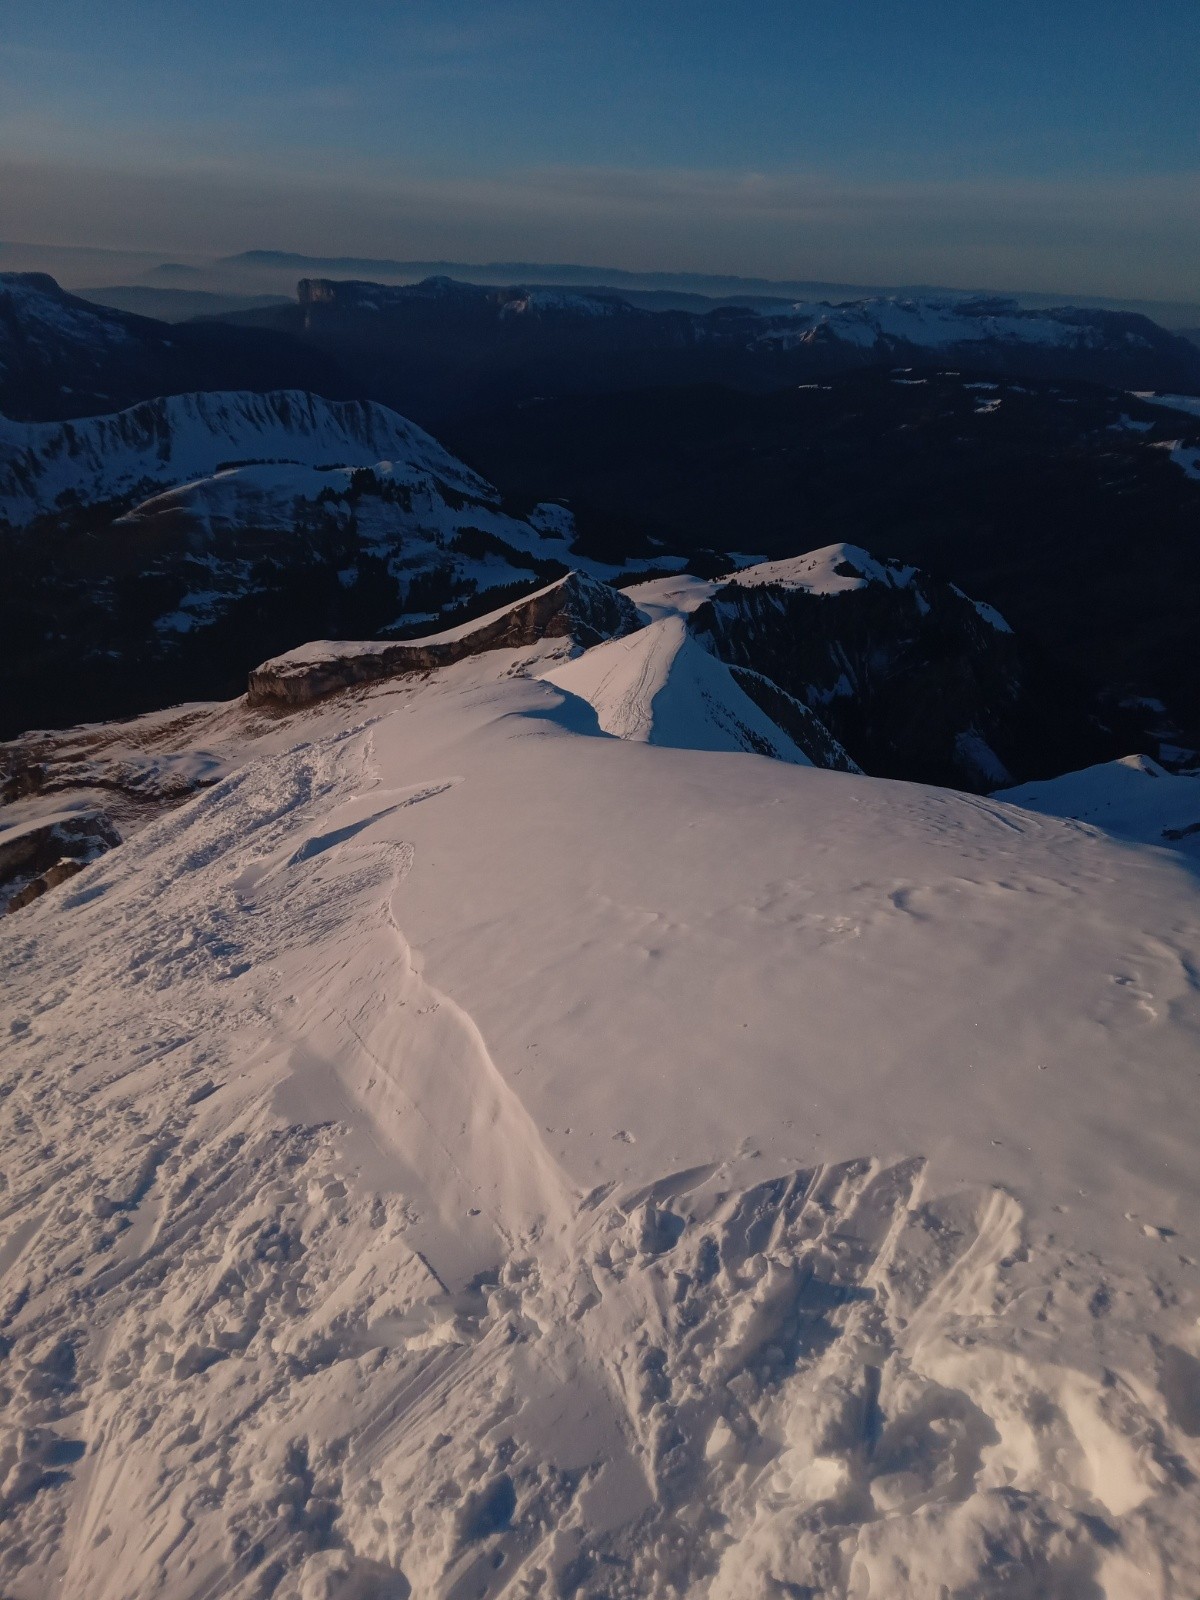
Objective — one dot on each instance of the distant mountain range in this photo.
(440, 350)
(62, 356)
(169, 303)
(282, 267)
(157, 547)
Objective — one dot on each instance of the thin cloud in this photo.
(1083, 236)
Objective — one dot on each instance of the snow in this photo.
(1189, 403)
(1126, 424)
(989, 613)
(1186, 457)
(659, 686)
(35, 305)
(672, 596)
(317, 651)
(461, 1152)
(419, 512)
(818, 571)
(974, 749)
(542, 300)
(196, 607)
(553, 520)
(1132, 798)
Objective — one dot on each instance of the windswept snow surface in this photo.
(462, 1154)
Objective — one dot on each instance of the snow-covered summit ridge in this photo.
(661, 686)
(845, 569)
(833, 569)
(535, 301)
(1133, 798)
(169, 441)
(919, 322)
(692, 664)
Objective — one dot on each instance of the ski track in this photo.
(436, 1368)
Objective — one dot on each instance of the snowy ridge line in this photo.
(833, 569)
(661, 686)
(165, 443)
(577, 609)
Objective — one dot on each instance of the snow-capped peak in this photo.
(661, 686)
(833, 569)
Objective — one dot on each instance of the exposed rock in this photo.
(576, 608)
(800, 724)
(911, 677)
(65, 867)
(41, 854)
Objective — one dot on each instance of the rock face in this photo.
(577, 608)
(1068, 507)
(45, 853)
(857, 665)
(909, 675)
(801, 724)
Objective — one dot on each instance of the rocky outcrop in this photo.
(907, 675)
(802, 726)
(577, 608)
(156, 554)
(40, 855)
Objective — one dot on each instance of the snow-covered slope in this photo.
(156, 546)
(1133, 798)
(1189, 404)
(659, 686)
(834, 569)
(464, 1154)
(33, 303)
(184, 437)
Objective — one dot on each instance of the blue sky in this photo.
(1052, 145)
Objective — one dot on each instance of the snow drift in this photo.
(460, 1153)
